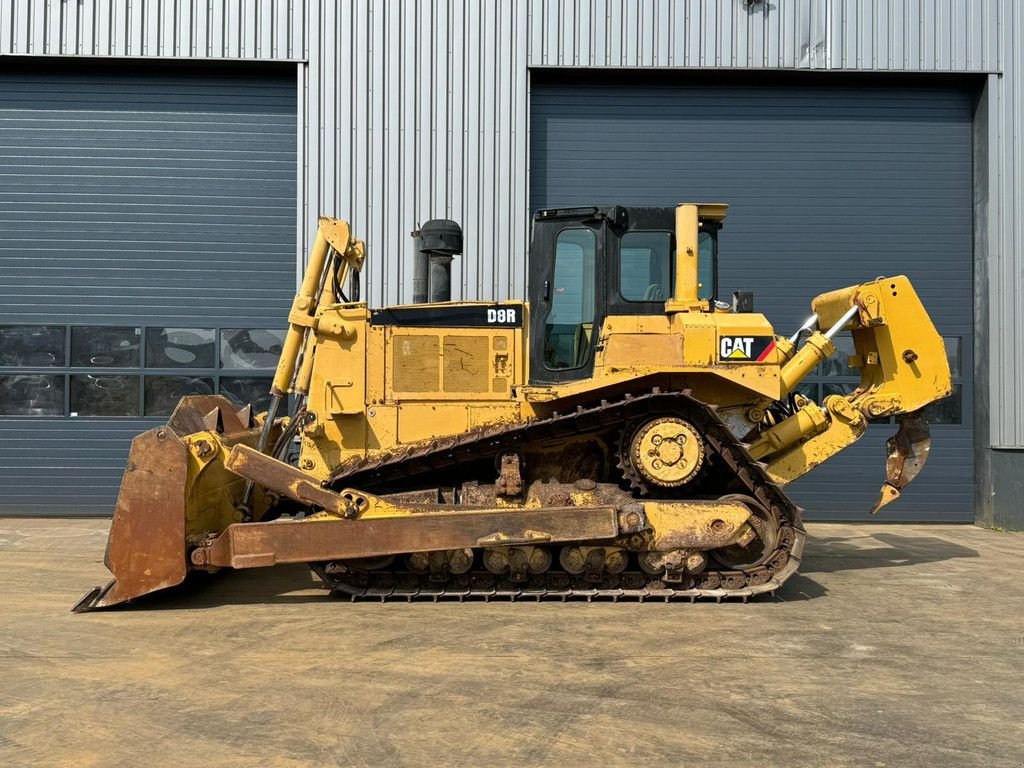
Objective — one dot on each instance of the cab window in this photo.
(569, 327)
(706, 257)
(645, 266)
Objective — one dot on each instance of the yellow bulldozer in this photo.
(625, 434)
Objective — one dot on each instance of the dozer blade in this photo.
(907, 452)
(146, 548)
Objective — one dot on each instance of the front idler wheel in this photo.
(759, 547)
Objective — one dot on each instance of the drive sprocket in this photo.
(666, 452)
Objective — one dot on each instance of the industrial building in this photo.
(164, 164)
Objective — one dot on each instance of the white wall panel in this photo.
(233, 29)
(426, 118)
(944, 35)
(671, 33)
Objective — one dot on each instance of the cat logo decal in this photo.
(745, 349)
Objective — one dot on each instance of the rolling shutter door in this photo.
(147, 246)
(828, 187)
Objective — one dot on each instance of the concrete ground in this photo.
(898, 645)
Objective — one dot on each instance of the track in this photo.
(431, 457)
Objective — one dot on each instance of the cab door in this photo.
(568, 286)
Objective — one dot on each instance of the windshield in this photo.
(645, 266)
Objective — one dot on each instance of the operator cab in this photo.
(589, 263)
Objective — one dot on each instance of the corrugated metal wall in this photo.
(420, 108)
(948, 35)
(232, 29)
(1004, 202)
(418, 111)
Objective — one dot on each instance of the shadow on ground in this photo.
(846, 553)
(290, 585)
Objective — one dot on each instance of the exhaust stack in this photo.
(437, 242)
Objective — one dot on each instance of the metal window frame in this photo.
(141, 371)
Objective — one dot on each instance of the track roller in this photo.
(441, 564)
(593, 563)
(517, 563)
(676, 561)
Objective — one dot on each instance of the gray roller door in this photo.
(147, 248)
(829, 186)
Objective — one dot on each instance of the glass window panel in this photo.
(953, 354)
(179, 348)
(250, 348)
(32, 346)
(946, 411)
(104, 395)
(837, 364)
(104, 347)
(162, 393)
(645, 260)
(247, 389)
(706, 266)
(31, 395)
(569, 326)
